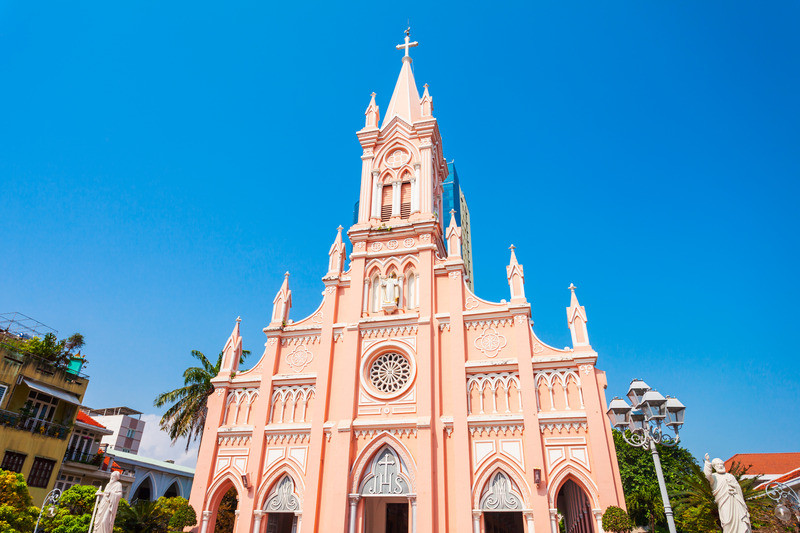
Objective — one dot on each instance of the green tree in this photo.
(616, 520)
(53, 350)
(181, 513)
(17, 512)
(226, 513)
(186, 416)
(639, 482)
(143, 517)
(73, 512)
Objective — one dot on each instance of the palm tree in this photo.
(187, 414)
(143, 517)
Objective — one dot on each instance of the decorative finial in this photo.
(572, 287)
(426, 85)
(373, 94)
(512, 247)
(452, 211)
(406, 45)
(238, 319)
(340, 228)
(286, 275)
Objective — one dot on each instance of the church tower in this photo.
(405, 402)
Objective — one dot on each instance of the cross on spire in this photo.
(406, 45)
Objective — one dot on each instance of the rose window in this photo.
(390, 372)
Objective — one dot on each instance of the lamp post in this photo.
(643, 422)
(51, 499)
(781, 493)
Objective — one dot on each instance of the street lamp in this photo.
(781, 493)
(640, 425)
(51, 499)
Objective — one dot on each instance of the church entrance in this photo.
(502, 523)
(386, 515)
(281, 523)
(396, 518)
(385, 491)
(573, 504)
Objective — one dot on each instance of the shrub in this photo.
(616, 520)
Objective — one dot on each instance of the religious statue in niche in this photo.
(733, 513)
(390, 295)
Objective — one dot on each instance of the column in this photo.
(415, 190)
(598, 516)
(298, 520)
(351, 528)
(376, 194)
(257, 515)
(528, 520)
(396, 198)
(413, 501)
(476, 521)
(204, 524)
(235, 520)
(553, 520)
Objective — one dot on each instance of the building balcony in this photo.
(17, 421)
(89, 459)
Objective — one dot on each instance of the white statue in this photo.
(733, 513)
(106, 505)
(391, 289)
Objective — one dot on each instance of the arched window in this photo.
(376, 293)
(412, 300)
(386, 202)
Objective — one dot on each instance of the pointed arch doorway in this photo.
(574, 505)
(282, 508)
(501, 507)
(387, 502)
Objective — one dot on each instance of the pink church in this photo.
(405, 402)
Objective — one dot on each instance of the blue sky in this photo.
(161, 166)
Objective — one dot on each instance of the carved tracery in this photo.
(386, 476)
(500, 495)
(282, 498)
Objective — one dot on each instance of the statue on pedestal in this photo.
(733, 514)
(391, 293)
(105, 507)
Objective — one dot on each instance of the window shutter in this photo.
(405, 200)
(386, 202)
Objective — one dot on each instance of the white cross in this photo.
(407, 44)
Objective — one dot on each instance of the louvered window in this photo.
(405, 200)
(386, 203)
(40, 472)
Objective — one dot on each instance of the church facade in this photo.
(405, 402)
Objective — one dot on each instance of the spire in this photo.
(337, 255)
(426, 103)
(281, 304)
(453, 236)
(373, 114)
(232, 353)
(405, 102)
(576, 317)
(516, 277)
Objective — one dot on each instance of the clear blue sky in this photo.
(163, 164)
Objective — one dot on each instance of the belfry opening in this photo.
(405, 401)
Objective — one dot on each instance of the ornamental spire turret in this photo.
(232, 353)
(373, 114)
(516, 277)
(405, 102)
(453, 236)
(337, 255)
(282, 304)
(576, 317)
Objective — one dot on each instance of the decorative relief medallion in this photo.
(520, 319)
(272, 341)
(392, 245)
(490, 342)
(330, 290)
(299, 358)
(537, 348)
(390, 372)
(317, 318)
(456, 274)
(425, 237)
(376, 246)
(408, 243)
(359, 246)
(586, 369)
(471, 303)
